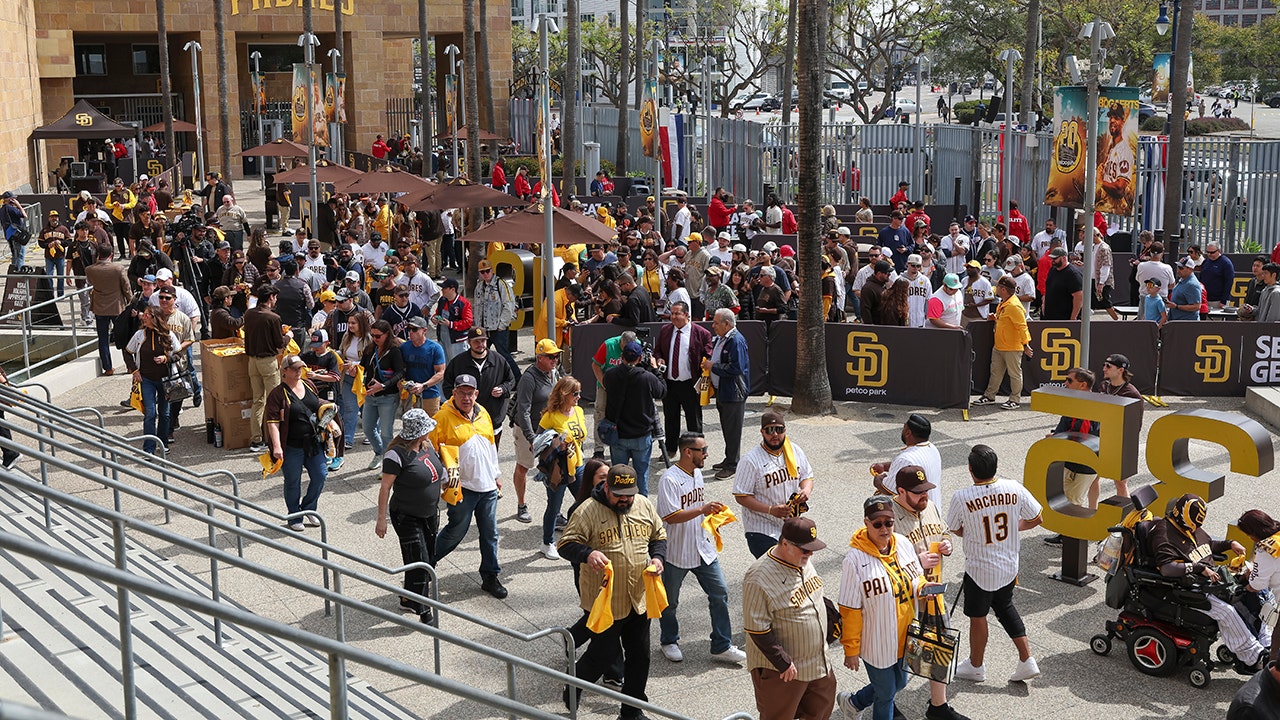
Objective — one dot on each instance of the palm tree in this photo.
(166, 88)
(472, 96)
(426, 134)
(570, 90)
(788, 65)
(1028, 60)
(624, 72)
(488, 86)
(224, 118)
(812, 394)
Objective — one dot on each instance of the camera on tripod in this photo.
(646, 358)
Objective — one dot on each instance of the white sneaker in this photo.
(1026, 670)
(549, 552)
(672, 652)
(844, 701)
(375, 463)
(966, 671)
(733, 655)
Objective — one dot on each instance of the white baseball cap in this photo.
(164, 274)
(770, 246)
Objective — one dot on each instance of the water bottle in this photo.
(217, 435)
(208, 431)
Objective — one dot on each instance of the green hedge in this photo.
(963, 112)
(1206, 126)
(1155, 123)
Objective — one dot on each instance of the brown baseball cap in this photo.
(772, 418)
(802, 532)
(912, 478)
(877, 506)
(622, 480)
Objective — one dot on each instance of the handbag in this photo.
(930, 651)
(179, 385)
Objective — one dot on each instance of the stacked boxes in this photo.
(228, 397)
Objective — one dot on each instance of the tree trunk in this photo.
(489, 122)
(426, 130)
(1029, 49)
(571, 90)
(788, 64)
(166, 90)
(1177, 128)
(812, 394)
(224, 113)
(473, 128)
(641, 60)
(624, 73)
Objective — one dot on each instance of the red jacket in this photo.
(498, 178)
(718, 213)
(900, 196)
(1042, 271)
(522, 187)
(380, 149)
(1019, 227)
(1100, 222)
(537, 193)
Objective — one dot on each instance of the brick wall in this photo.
(20, 113)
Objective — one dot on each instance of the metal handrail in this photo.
(121, 523)
(14, 711)
(73, 297)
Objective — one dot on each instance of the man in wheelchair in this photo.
(1180, 548)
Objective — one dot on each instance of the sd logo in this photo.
(1214, 363)
(868, 359)
(1060, 351)
(84, 119)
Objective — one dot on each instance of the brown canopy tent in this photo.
(326, 172)
(178, 126)
(459, 194)
(526, 226)
(83, 121)
(279, 147)
(389, 179)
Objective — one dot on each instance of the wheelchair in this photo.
(1163, 621)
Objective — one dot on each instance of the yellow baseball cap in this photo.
(547, 347)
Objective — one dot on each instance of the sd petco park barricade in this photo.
(1056, 349)
(1218, 359)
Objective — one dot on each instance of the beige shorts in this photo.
(1076, 486)
(524, 451)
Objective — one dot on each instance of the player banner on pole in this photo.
(1066, 164)
(450, 101)
(1160, 84)
(330, 97)
(339, 99)
(649, 119)
(298, 103)
(258, 81)
(1117, 150)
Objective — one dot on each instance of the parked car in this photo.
(905, 105)
(1145, 110)
(1272, 100)
(749, 102)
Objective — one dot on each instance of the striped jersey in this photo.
(925, 455)
(688, 543)
(921, 529)
(786, 599)
(988, 513)
(763, 475)
(883, 587)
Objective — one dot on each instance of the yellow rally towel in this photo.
(789, 454)
(452, 492)
(601, 617)
(357, 385)
(269, 464)
(135, 398)
(713, 522)
(655, 593)
(1271, 545)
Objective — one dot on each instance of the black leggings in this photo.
(978, 602)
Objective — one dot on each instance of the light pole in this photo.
(919, 167)
(1095, 32)
(335, 138)
(1162, 27)
(194, 48)
(546, 25)
(462, 120)
(451, 102)
(657, 142)
(255, 56)
(1010, 57)
(708, 62)
(308, 42)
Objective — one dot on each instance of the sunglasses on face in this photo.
(882, 524)
(804, 552)
(774, 430)
(377, 335)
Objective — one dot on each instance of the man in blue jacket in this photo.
(1217, 274)
(731, 375)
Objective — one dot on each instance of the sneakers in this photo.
(942, 712)
(493, 586)
(549, 552)
(561, 521)
(336, 463)
(1053, 540)
(726, 472)
(375, 463)
(1010, 405)
(671, 651)
(1026, 670)
(612, 683)
(844, 701)
(311, 521)
(258, 448)
(734, 656)
(966, 671)
(522, 514)
(984, 400)
(12, 460)
(295, 526)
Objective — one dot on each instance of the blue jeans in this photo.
(759, 543)
(103, 325)
(635, 452)
(19, 252)
(380, 419)
(885, 684)
(317, 466)
(155, 405)
(712, 581)
(484, 506)
(555, 498)
(60, 266)
(350, 409)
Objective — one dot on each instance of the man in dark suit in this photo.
(682, 346)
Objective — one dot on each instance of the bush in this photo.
(1155, 123)
(1206, 126)
(963, 112)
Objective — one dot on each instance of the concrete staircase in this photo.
(59, 646)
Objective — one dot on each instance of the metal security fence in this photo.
(1231, 188)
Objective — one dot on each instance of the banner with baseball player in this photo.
(298, 112)
(259, 83)
(1066, 160)
(1117, 150)
(1162, 83)
(649, 119)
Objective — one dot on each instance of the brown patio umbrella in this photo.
(485, 135)
(178, 126)
(326, 172)
(459, 194)
(277, 148)
(526, 226)
(389, 179)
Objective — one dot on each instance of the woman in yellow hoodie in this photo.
(879, 584)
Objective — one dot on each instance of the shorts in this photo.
(1075, 485)
(978, 602)
(1104, 301)
(524, 451)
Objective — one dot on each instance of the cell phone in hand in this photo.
(939, 589)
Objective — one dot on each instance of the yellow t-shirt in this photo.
(572, 426)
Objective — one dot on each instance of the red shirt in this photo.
(900, 196)
(499, 177)
(537, 193)
(522, 187)
(718, 213)
(380, 149)
(1018, 226)
(1042, 271)
(1100, 222)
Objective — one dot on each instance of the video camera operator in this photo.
(632, 389)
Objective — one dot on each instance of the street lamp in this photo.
(308, 42)
(255, 56)
(546, 25)
(1162, 28)
(335, 135)
(1095, 32)
(198, 171)
(1010, 57)
(919, 159)
(452, 51)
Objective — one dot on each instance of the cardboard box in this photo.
(225, 377)
(236, 419)
(210, 411)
